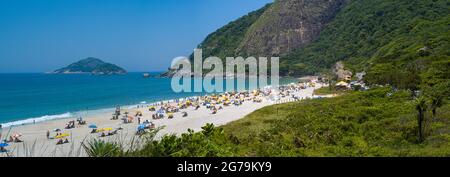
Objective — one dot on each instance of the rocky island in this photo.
(91, 66)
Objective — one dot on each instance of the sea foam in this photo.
(38, 119)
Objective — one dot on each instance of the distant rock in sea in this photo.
(93, 66)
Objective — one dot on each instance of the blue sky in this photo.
(139, 35)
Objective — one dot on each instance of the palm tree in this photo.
(421, 108)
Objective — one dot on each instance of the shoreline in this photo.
(75, 114)
(83, 113)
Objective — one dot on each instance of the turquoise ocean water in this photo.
(25, 98)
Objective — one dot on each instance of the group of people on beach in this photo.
(217, 102)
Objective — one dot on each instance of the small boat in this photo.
(146, 75)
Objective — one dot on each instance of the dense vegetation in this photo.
(394, 41)
(328, 91)
(380, 122)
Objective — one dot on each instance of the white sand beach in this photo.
(36, 144)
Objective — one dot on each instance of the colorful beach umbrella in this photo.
(62, 135)
(92, 126)
(104, 129)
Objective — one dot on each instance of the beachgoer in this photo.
(60, 141)
(48, 134)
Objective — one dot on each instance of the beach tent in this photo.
(93, 126)
(4, 144)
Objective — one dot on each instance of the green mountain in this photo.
(394, 42)
(93, 66)
(379, 36)
(273, 30)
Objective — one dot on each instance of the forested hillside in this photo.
(386, 38)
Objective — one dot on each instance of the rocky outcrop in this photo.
(274, 30)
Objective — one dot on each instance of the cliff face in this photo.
(288, 25)
(273, 30)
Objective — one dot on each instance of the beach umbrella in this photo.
(4, 144)
(92, 126)
(62, 135)
(57, 130)
(107, 129)
(141, 127)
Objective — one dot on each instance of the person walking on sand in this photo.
(48, 134)
(139, 120)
